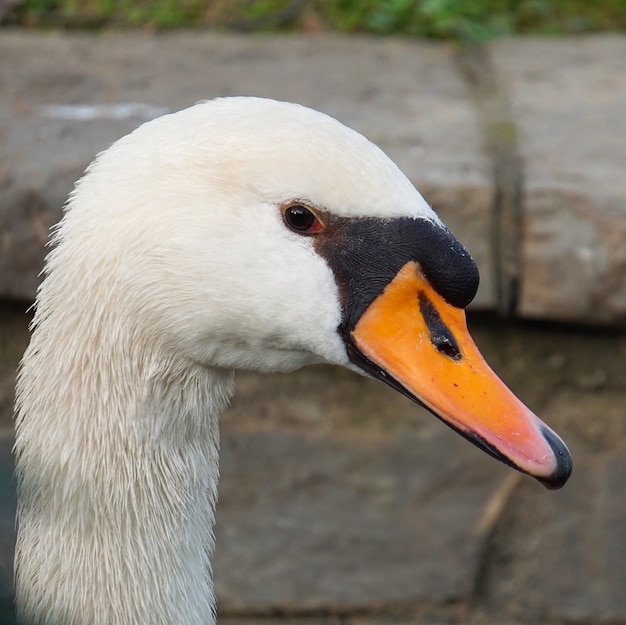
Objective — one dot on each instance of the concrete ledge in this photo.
(75, 94)
(406, 96)
(568, 100)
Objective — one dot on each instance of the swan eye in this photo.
(303, 220)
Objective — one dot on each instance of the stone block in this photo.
(347, 522)
(75, 94)
(564, 552)
(339, 495)
(568, 102)
(559, 556)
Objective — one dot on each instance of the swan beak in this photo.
(417, 342)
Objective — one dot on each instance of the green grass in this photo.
(464, 20)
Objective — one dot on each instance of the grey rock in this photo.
(568, 101)
(305, 524)
(75, 94)
(341, 497)
(564, 552)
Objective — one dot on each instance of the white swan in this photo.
(238, 234)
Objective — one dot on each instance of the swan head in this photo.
(245, 233)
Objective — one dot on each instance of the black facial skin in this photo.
(366, 254)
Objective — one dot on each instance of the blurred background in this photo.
(340, 501)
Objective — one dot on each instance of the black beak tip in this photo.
(563, 461)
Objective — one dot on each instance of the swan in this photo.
(240, 233)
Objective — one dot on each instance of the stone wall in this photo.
(340, 500)
(517, 145)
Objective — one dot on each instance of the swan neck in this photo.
(117, 474)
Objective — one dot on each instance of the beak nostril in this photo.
(446, 345)
(440, 335)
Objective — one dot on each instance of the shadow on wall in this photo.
(7, 532)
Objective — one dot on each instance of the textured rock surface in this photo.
(318, 525)
(406, 96)
(341, 499)
(566, 551)
(569, 104)
(74, 95)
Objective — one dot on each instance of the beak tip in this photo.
(563, 461)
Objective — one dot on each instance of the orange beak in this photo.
(419, 343)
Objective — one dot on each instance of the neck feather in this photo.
(117, 464)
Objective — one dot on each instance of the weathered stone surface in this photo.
(406, 96)
(569, 102)
(566, 96)
(564, 552)
(339, 496)
(310, 522)
(328, 479)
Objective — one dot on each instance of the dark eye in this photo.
(301, 219)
